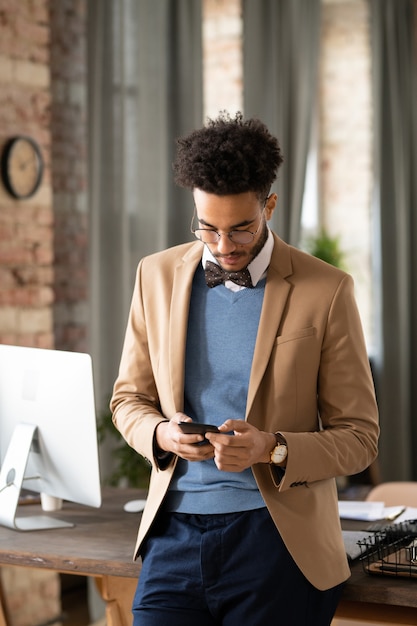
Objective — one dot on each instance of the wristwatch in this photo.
(279, 453)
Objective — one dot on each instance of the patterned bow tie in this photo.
(216, 275)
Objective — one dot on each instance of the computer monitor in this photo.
(48, 432)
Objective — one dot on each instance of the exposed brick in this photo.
(8, 320)
(26, 237)
(6, 69)
(222, 56)
(69, 171)
(34, 320)
(28, 73)
(345, 151)
(43, 588)
(31, 297)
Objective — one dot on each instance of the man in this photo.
(241, 526)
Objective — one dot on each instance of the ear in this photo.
(270, 206)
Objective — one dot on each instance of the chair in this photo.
(395, 493)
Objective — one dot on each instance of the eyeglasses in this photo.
(240, 237)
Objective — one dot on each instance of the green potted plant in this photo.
(327, 248)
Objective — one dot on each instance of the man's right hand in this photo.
(170, 438)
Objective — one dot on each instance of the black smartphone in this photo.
(195, 428)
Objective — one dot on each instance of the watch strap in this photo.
(280, 439)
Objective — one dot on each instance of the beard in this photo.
(255, 250)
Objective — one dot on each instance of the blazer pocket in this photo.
(298, 334)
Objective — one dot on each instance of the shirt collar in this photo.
(257, 268)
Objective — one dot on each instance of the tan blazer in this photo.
(309, 360)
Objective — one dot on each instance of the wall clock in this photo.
(21, 166)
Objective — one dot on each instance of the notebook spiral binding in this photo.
(391, 551)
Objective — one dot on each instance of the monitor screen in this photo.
(48, 432)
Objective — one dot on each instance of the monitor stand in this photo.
(12, 475)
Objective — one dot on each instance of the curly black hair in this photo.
(228, 156)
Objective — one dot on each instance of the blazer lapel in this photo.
(178, 320)
(277, 289)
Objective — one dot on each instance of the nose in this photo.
(225, 244)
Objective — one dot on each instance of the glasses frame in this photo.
(230, 233)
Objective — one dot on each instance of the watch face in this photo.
(279, 453)
(22, 167)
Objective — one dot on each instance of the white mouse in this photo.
(134, 506)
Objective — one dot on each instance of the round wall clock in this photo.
(21, 166)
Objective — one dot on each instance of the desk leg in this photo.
(3, 619)
(2, 616)
(117, 593)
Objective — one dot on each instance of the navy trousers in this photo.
(225, 570)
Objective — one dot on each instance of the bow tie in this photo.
(216, 275)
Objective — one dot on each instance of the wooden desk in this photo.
(380, 599)
(99, 545)
(377, 598)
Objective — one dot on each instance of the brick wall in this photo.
(32, 596)
(43, 239)
(222, 56)
(26, 227)
(69, 173)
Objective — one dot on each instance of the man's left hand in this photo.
(242, 449)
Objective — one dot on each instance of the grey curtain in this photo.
(145, 89)
(395, 100)
(280, 57)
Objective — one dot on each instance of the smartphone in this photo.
(195, 428)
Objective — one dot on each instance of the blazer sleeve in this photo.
(135, 403)
(346, 440)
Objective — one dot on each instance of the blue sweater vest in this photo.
(222, 330)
